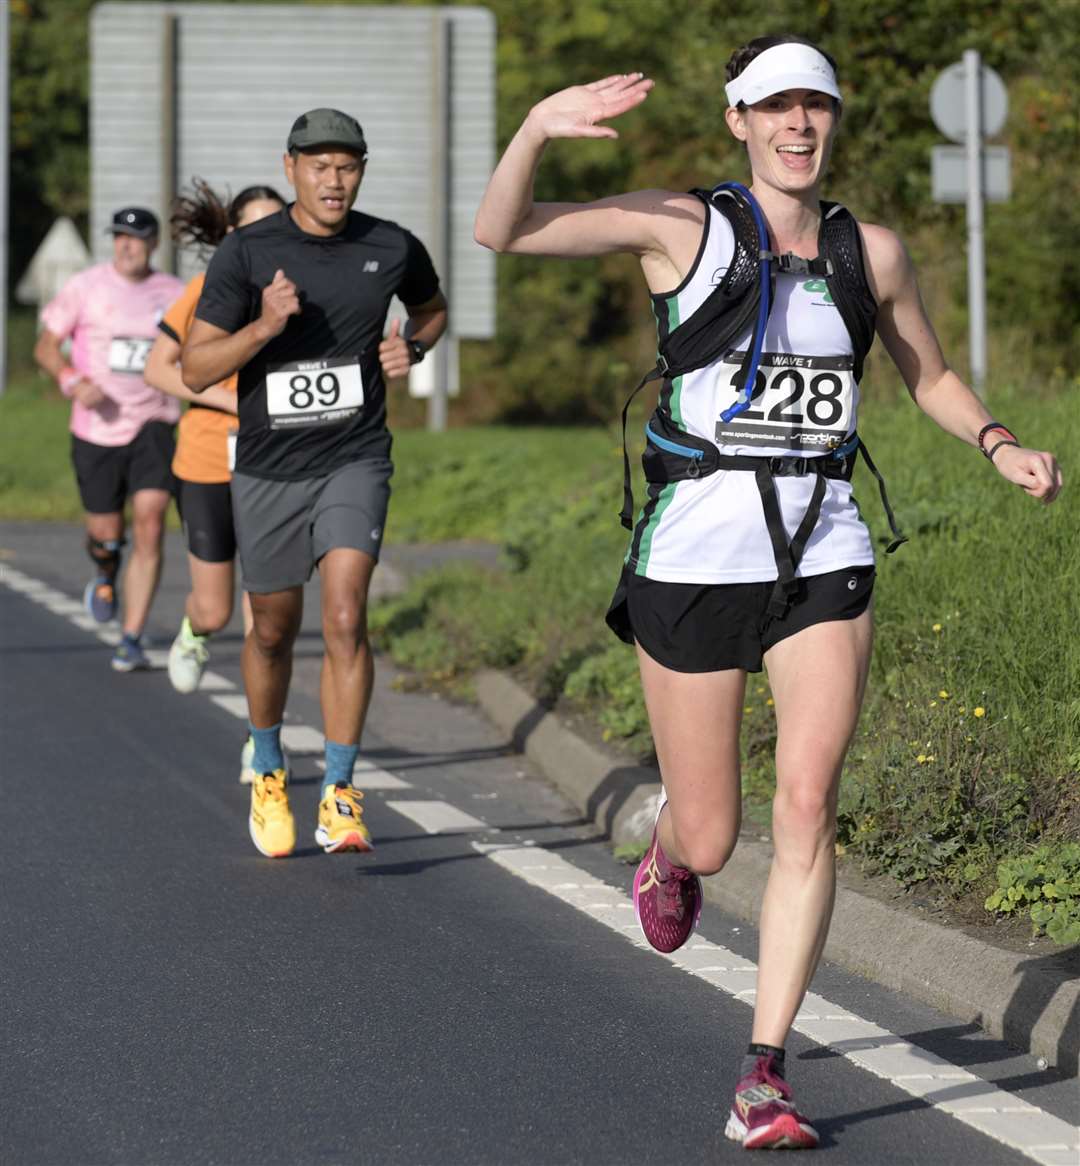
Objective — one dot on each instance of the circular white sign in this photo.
(947, 103)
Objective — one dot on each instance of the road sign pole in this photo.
(5, 74)
(976, 255)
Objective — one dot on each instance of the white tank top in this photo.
(712, 529)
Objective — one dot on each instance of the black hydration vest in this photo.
(673, 455)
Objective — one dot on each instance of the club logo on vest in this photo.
(371, 265)
(819, 285)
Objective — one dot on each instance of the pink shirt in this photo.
(112, 322)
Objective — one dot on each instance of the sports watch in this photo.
(417, 351)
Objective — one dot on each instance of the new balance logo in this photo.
(371, 265)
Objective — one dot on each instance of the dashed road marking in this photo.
(1038, 1135)
(437, 817)
(367, 776)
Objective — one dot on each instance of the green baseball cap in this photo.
(326, 127)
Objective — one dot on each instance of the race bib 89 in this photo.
(314, 392)
(129, 353)
(801, 403)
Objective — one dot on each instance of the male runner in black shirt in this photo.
(297, 303)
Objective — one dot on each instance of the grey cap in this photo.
(326, 127)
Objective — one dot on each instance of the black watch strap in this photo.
(417, 351)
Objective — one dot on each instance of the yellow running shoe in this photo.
(270, 822)
(341, 821)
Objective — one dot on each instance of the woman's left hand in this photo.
(1035, 472)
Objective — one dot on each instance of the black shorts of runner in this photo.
(109, 474)
(703, 627)
(206, 512)
(283, 529)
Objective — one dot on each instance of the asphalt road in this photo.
(170, 996)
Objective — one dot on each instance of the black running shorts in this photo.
(109, 474)
(702, 627)
(206, 512)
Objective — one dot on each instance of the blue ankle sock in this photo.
(268, 755)
(132, 638)
(340, 760)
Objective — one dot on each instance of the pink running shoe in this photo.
(764, 1117)
(667, 898)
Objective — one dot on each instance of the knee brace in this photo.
(105, 554)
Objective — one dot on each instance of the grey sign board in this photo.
(949, 177)
(185, 89)
(947, 99)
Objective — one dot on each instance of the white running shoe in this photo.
(187, 659)
(247, 755)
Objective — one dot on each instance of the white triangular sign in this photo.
(62, 253)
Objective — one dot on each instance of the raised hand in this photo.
(279, 301)
(578, 111)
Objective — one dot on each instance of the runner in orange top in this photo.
(202, 463)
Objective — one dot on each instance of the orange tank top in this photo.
(202, 440)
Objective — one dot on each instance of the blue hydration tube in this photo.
(764, 304)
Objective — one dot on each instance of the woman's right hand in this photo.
(578, 111)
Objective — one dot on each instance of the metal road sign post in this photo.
(969, 103)
(5, 82)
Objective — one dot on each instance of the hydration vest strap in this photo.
(787, 555)
(626, 515)
(792, 264)
(899, 538)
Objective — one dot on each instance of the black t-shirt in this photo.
(313, 399)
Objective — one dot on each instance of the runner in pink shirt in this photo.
(122, 429)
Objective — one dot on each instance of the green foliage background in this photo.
(571, 335)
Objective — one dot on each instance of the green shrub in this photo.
(1046, 883)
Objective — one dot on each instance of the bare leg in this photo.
(818, 677)
(266, 660)
(348, 671)
(144, 566)
(210, 601)
(695, 719)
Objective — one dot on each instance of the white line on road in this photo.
(232, 703)
(992, 1111)
(302, 739)
(435, 817)
(1041, 1136)
(367, 776)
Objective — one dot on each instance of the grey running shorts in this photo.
(284, 528)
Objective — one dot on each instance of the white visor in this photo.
(790, 66)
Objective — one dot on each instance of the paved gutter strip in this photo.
(1009, 995)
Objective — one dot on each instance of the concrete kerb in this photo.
(1028, 1002)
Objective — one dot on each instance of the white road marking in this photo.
(232, 703)
(64, 606)
(302, 739)
(435, 817)
(366, 776)
(215, 682)
(1039, 1135)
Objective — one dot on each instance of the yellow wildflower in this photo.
(936, 629)
(979, 712)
